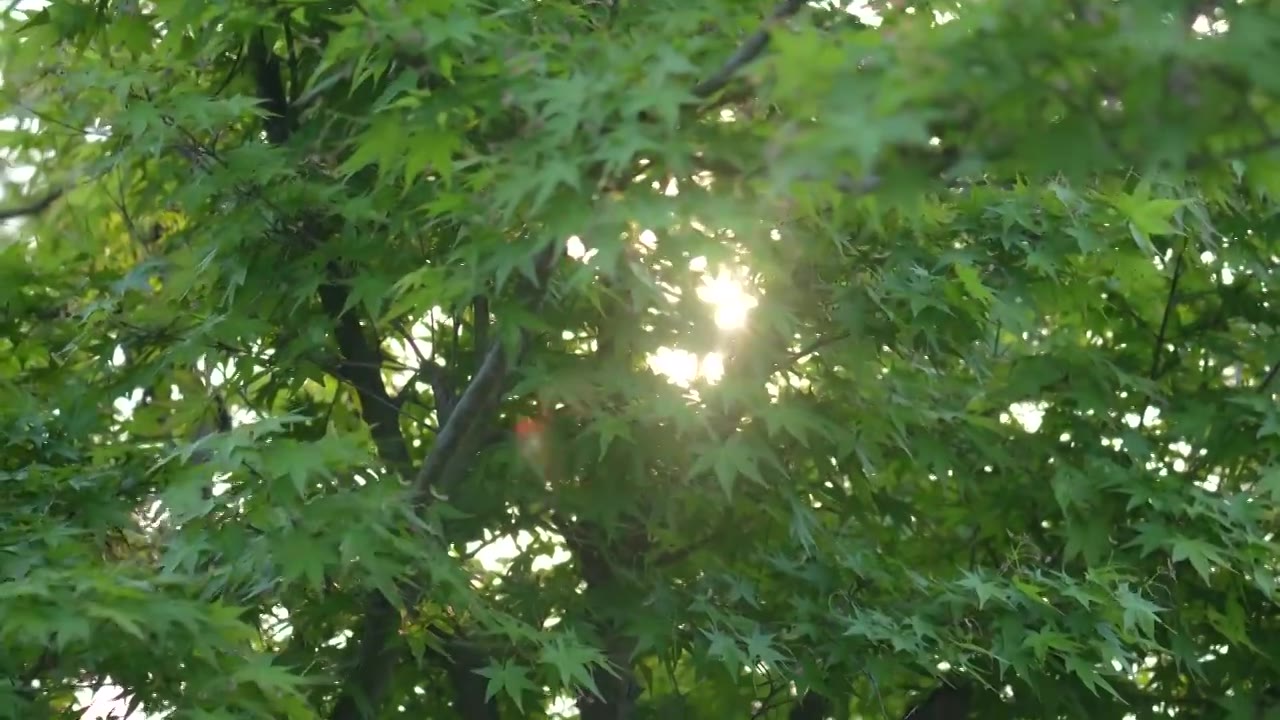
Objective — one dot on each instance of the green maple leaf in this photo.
(983, 589)
(1199, 553)
(1089, 676)
(298, 461)
(724, 647)
(509, 677)
(1138, 611)
(572, 662)
(760, 649)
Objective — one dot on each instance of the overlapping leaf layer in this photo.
(899, 360)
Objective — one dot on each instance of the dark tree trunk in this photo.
(946, 702)
(812, 706)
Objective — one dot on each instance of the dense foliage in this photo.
(799, 363)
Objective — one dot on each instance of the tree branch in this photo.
(466, 416)
(361, 366)
(31, 207)
(366, 684)
(749, 51)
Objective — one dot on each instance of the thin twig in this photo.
(232, 72)
(412, 342)
(770, 701)
(293, 90)
(1168, 311)
(817, 345)
(875, 686)
(1269, 377)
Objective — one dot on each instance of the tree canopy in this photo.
(465, 359)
